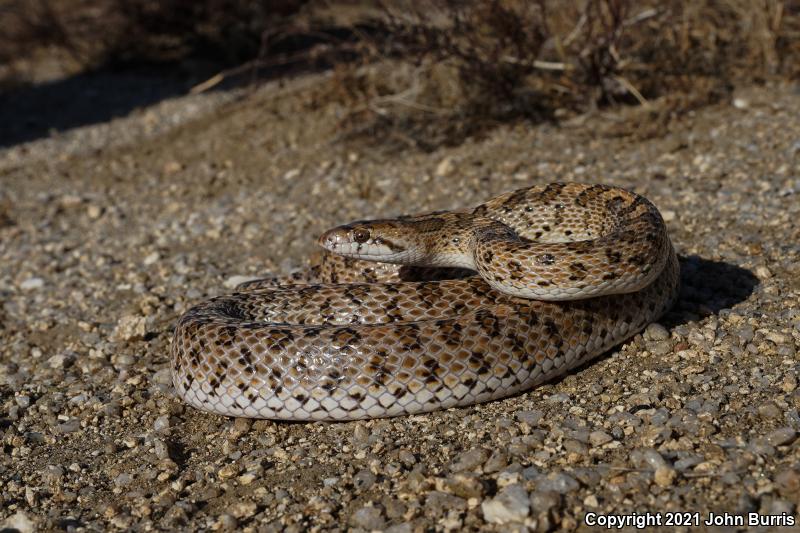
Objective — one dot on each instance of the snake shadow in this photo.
(708, 287)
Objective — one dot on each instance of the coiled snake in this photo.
(565, 272)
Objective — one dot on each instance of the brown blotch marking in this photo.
(480, 210)
(615, 203)
(514, 199)
(302, 398)
(357, 396)
(552, 330)
(389, 244)
(488, 322)
(578, 271)
(433, 379)
(428, 224)
(551, 192)
(393, 311)
(346, 337)
(429, 293)
(408, 335)
(245, 356)
(636, 260)
(590, 193)
(608, 276)
(194, 358)
(516, 271)
(355, 294)
(450, 331)
(613, 255)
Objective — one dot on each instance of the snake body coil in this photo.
(565, 272)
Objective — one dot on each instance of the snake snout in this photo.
(332, 239)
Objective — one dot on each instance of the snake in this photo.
(420, 313)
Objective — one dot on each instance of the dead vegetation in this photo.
(479, 63)
(433, 73)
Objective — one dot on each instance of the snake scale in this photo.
(565, 271)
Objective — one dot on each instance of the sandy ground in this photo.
(110, 231)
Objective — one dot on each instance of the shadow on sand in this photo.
(707, 287)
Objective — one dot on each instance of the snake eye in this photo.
(361, 235)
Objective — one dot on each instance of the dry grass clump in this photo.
(434, 72)
(479, 63)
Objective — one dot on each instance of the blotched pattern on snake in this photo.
(565, 271)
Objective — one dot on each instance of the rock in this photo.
(496, 462)
(151, 259)
(510, 505)
(123, 480)
(788, 483)
(369, 518)
(781, 436)
(598, 438)
(20, 522)
(70, 426)
(543, 501)
(161, 423)
(463, 484)
(444, 167)
(656, 332)
(243, 509)
(52, 475)
(531, 418)
(228, 471)
(226, 522)
(437, 504)
(130, 327)
(364, 479)
(407, 458)
(763, 273)
(557, 482)
(470, 460)
(31, 284)
(770, 410)
(664, 476)
(23, 401)
(161, 448)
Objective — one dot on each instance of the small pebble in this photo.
(470, 460)
(369, 518)
(510, 505)
(32, 284)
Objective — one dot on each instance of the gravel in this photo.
(110, 231)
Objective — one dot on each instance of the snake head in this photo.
(374, 240)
